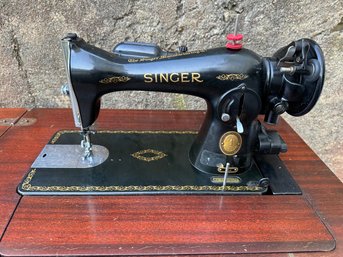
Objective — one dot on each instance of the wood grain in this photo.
(19, 146)
(321, 188)
(163, 225)
(8, 201)
(168, 224)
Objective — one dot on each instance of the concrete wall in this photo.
(32, 71)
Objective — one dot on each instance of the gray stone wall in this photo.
(32, 71)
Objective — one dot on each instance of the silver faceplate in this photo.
(69, 156)
(74, 103)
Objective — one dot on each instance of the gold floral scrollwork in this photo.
(114, 80)
(62, 132)
(26, 185)
(232, 76)
(156, 155)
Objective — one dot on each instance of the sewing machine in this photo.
(232, 153)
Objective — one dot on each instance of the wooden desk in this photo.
(106, 225)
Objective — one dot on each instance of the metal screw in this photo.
(290, 69)
(65, 89)
(225, 117)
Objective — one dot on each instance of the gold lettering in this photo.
(164, 76)
(177, 78)
(148, 78)
(174, 77)
(196, 77)
(184, 77)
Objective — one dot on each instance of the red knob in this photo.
(234, 37)
(234, 45)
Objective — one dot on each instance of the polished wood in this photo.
(168, 224)
(20, 145)
(164, 225)
(8, 201)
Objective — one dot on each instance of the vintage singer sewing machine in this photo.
(232, 153)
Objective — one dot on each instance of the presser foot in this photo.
(87, 145)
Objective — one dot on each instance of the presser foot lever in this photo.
(227, 166)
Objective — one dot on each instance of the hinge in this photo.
(15, 122)
(7, 121)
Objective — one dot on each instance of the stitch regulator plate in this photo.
(69, 156)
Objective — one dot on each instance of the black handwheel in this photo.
(313, 82)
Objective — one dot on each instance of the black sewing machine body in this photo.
(237, 85)
(194, 74)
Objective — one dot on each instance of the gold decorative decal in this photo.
(230, 143)
(26, 185)
(114, 80)
(187, 132)
(165, 56)
(156, 155)
(184, 77)
(230, 180)
(233, 76)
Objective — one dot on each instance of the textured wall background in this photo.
(32, 71)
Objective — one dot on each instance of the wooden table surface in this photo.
(106, 225)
